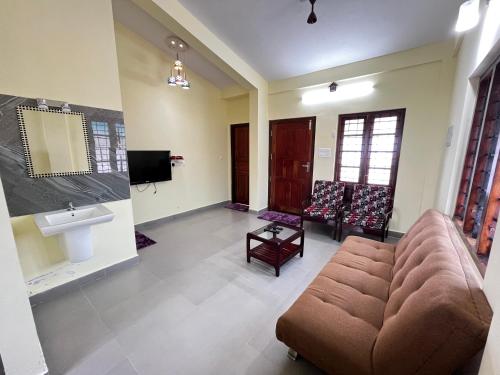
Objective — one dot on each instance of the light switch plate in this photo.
(325, 152)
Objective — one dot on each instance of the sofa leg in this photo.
(292, 354)
(340, 232)
(382, 237)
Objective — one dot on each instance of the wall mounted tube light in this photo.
(468, 16)
(343, 92)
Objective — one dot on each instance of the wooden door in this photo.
(240, 163)
(291, 163)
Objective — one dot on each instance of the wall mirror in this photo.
(55, 142)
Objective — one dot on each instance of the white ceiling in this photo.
(137, 20)
(273, 36)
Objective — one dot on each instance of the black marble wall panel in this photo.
(27, 195)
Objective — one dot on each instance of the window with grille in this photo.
(368, 147)
(102, 145)
(478, 199)
(121, 150)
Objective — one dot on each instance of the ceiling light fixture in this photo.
(342, 92)
(468, 16)
(177, 73)
(312, 16)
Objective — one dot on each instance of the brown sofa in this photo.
(376, 308)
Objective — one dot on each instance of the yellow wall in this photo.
(422, 91)
(237, 110)
(64, 50)
(189, 123)
(61, 50)
(19, 343)
(111, 243)
(173, 15)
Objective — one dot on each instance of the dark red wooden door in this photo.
(240, 163)
(291, 163)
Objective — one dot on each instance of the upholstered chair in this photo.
(325, 204)
(370, 208)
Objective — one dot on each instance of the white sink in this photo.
(73, 226)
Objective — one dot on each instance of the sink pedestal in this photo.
(77, 244)
(73, 226)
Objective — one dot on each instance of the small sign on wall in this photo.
(325, 152)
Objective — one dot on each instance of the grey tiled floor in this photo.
(192, 305)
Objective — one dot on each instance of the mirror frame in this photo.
(27, 153)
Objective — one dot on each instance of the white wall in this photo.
(479, 45)
(476, 45)
(19, 345)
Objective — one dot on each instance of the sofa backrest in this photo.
(371, 199)
(328, 193)
(436, 316)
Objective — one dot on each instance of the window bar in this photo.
(467, 200)
(472, 149)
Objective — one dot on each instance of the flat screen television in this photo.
(149, 166)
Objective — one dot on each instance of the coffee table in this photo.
(276, 244)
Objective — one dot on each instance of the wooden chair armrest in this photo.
(345, 206)
(306, 202)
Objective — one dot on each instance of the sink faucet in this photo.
(70, 207)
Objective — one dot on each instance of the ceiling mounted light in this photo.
(177, 44)
(177, 78)
(312, 16)
(468, 16)
(342, 92)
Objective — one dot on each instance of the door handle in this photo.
(307, 166)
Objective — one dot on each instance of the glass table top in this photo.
(276, 231)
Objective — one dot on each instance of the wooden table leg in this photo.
(248, 248)
(302, 244)
(277, 264)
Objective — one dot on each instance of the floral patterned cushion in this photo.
(328, 194)
(371, 199)
(320, 212)
(366, 221)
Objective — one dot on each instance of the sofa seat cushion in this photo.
(378, 252)
(328, 335)
(371, 221)
(361, 295)
(334, 323)
(321, 212)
